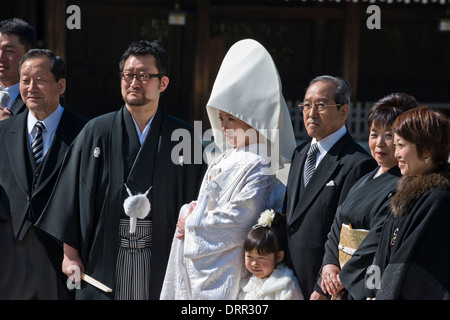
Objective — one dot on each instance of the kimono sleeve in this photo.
(225, 226)
(70, 197)
(353, 273)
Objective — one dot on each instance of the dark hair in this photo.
(267, 240)
(343, 91)
(57, 66)
(20, 28)
(385, 110)
(428, 130)
(144, 47)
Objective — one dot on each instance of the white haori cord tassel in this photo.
(136, 207)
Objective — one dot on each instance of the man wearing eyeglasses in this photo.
(321, 174)
(120, 156)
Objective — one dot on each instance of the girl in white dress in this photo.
(249, 118)
(264, 252)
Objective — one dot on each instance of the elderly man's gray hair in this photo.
(343, 90)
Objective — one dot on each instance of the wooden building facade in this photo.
(409, 52)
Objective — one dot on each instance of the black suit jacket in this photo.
(17, 280)
(310, 211)
(26, 190)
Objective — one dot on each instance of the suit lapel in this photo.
(16, 144)
(18, 106)
(294, 185)
(319, 179)
(62, 139)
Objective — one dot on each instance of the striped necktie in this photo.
(310, 164)
(38, 143)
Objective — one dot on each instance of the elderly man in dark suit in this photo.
(321, 174)
(16, 38)
(33, 145)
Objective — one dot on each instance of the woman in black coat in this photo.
(412, 260)
(365, 208)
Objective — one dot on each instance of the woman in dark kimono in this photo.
(413, 256)
(353, 237)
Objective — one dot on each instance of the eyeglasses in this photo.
(142, 77)
(319, 106)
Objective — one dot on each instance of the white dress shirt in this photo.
(327, 143)
(50, 123)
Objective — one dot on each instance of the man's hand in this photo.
(330, 280)
(317, 296)
(182, 221)
(71, 259)
(5, 114)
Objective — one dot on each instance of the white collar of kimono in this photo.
(143, 134)
(248, 86)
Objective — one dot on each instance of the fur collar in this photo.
(278, 280)
(410, 189)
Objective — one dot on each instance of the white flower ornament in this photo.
(265, 219)
(136, 207)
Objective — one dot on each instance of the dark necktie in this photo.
(310, 164)
(38, 143)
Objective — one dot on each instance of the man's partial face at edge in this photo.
(11, 52)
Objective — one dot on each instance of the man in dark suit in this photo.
(316, 186)
(16, 38)
(33, 146)
(17, 279)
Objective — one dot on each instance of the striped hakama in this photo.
(133, 261)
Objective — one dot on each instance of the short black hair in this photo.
(20, 28)
(57, 66)
(387, 109)
(144, 47)
(267, 240)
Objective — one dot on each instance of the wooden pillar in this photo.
(55, 27)
(201, 62)
(351, 46)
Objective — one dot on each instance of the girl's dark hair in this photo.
(267, 240)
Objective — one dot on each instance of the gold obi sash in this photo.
(350, 241)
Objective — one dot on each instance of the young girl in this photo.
(264, 253)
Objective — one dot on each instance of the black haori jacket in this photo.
(413, 254)
(87, 203)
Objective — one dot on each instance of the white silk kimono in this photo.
(209, 262)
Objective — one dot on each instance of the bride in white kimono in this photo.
(246, 108)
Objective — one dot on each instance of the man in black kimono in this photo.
(114, 154)
(33, 145)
